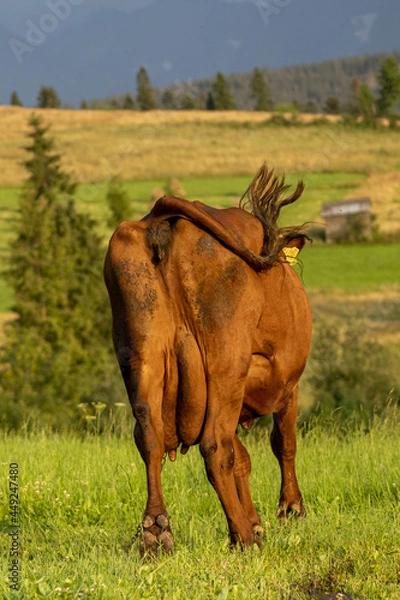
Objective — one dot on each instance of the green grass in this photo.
(350, 268)
(81, 499)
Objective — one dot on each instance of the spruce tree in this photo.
(389, 82)
(210, 104)
(221, 94)
(145, 94)
(260, 91)
(129, 102)
(168, 100)
(56, 353)
(48, 98)
(14, 100)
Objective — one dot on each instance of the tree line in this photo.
(362, 99)
(219, 98)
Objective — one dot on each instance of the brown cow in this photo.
(211, 328)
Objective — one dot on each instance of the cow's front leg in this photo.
(283, 442)
(155, 523)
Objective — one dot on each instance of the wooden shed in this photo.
(347, 219)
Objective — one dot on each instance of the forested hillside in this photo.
(303, 83)
(308, 85)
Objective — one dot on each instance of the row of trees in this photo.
(47, 98)
(220, 98)
(363, 100)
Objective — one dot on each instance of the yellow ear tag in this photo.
(290, 254)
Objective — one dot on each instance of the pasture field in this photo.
(80, 500)
(350, 268)
(137, 145)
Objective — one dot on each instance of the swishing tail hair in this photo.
(265, 198)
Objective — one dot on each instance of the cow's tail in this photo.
(265, 198)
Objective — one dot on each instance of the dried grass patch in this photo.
(384, 191)
(96, 145)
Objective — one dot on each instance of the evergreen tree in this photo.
(48, 98)
(145, 94)
(332, 105)
(222, 94)
(118, 203)
(210, 103)
(83, 104)
(15, 101)
(168, 100)
(56, 353)
(187, 102)
(367, 104)
(310, 107)
(260, 91)
(129, 102)
(389, 81)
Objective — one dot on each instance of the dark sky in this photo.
(91, 48)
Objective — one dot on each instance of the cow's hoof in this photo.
(156, 536)
(258, 534)
(290, 511)
(149, 544)
(166, 540)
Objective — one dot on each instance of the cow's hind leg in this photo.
(146, 394)
(242, 470)
(283, 442)
(155, 523)
(217, 447)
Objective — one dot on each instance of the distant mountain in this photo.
(96, 51)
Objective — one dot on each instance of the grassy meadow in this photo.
(99, 144)
(80, 500)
